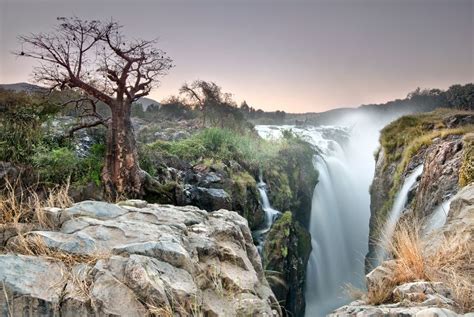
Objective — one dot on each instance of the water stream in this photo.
(270, 215)
(398, 206)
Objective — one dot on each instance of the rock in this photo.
(381, 277)
(209, 179)
(408, 290)
(114, 298)
(286, 251)
(167, 249)
(89, 191)
(133, 203)
(363, 310)
(210, 199)
(30, 286)
(440, 174)
(93, 209)
(436, 312)
(141, 258)
(10, 230)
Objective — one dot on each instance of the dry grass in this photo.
(453, 264)
(354, 292)
(407, 248)
(451, 261)
(33, 244)
(160, 311)
(20, 204)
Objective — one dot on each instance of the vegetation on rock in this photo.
(404, 138)
(285, 256)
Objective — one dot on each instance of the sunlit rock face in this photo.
(138, 259)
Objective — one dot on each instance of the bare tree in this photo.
(96, 59)
(203, 95)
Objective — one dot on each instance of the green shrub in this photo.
(59, 165)
(56, 165)
(219, 144)
(21, 117)
(90, 167)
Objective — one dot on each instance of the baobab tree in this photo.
(95, 59)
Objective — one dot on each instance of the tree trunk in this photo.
(122, 175)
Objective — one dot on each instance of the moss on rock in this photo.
(291, 178)
(466, 172)
(286, 253)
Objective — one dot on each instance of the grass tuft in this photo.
(451, 261)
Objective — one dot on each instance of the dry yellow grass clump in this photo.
(449, 260)
(24, 205)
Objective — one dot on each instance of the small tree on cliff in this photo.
(95, 58)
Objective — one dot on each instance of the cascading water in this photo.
(340, 209)
(398, 206)
(270, 215)
(438, 217)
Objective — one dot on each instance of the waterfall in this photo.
(270, 215)
(398, 206)
(340, 210)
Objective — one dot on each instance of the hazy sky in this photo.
(295, 56)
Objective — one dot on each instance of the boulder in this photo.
(137, 259)
(210, 199)
(31, 286)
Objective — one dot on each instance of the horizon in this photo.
(245, 49)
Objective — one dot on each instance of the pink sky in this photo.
(298, 56)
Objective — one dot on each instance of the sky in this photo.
(296, 56)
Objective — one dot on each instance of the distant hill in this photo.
(146, 102)
(23, 87)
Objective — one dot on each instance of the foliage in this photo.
(220, 144)
(21, 117)
(216, 107)
(57, 165)
(137, 110)
(171, 108)
(291, 176)
(403, 138)
(466, 172)
(460, 97)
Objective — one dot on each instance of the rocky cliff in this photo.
(427, 296)
(441, 141)
(134, 259)
(428, 268)
(286, 254)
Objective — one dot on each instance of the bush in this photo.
(90, 167)
(56, 165)
(220, 144)
(59, 165)
(21, 117)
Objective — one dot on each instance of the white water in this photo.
(438, 217)
(270, 215)
(396, 211)
(340, 212)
